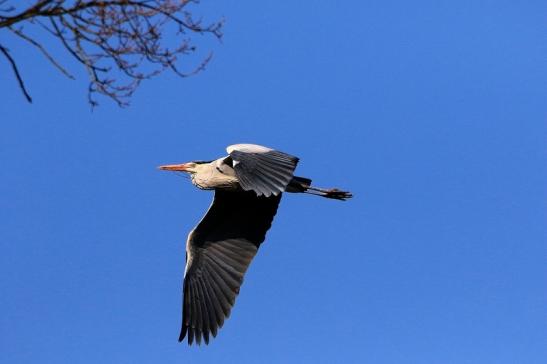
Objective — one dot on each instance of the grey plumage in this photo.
(248, 185)
(260, 169)
(221, 248)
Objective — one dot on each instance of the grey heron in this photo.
(248, 185)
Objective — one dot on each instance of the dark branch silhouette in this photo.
(119, 42)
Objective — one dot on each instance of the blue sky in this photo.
(431, 112)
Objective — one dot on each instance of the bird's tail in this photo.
(301, 184)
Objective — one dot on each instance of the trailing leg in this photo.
(303, 185)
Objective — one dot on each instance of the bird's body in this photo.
(248, 185)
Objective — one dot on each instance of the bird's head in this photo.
(190, 167)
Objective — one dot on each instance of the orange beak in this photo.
(174, 167)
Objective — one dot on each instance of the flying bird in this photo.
(248, 185)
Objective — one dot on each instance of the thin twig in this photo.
(16, 71)
(44, 52)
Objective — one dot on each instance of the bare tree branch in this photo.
(120, 43)
(5, 52)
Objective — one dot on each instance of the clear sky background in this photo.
(431, 112)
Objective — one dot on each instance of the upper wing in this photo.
(219, 251)
(261, 169)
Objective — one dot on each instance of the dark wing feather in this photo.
(219, 251)
(261, 169)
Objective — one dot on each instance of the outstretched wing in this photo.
(218, 252)
(261, 169)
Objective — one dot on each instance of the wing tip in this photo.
(182, 334)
